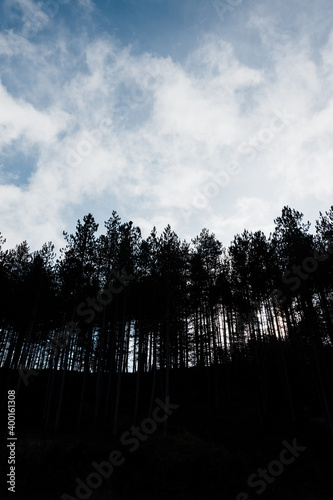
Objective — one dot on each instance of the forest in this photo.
(90, 339)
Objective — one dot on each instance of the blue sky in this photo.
(198, 113)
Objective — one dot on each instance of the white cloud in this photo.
(19, 119)
(34, 17)
(88, 5)
(159, 131)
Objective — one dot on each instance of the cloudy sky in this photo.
(197, 113)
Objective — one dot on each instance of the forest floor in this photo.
(209, 452)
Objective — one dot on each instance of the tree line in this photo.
(118, 302)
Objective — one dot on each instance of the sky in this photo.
(193, 113)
